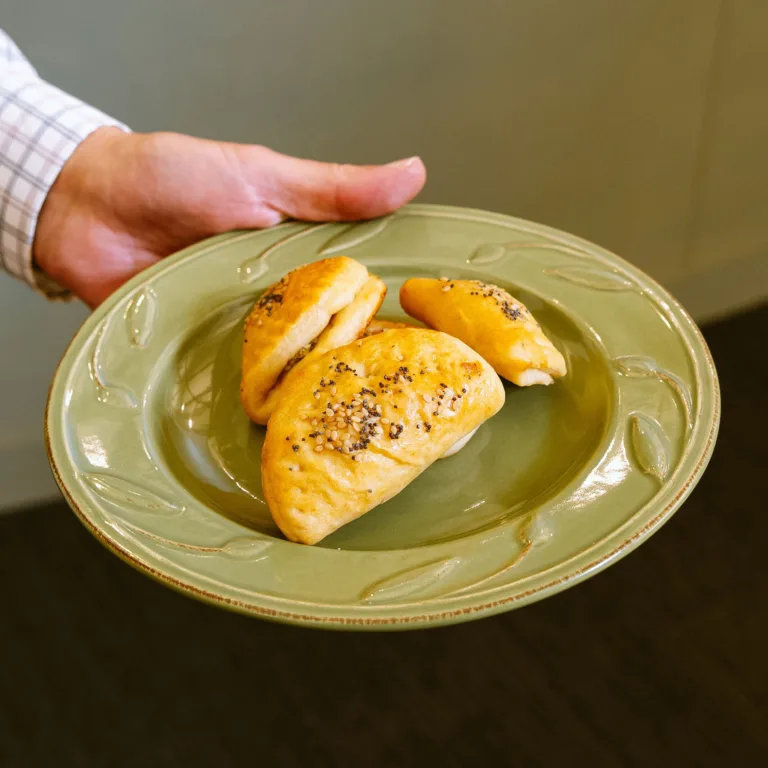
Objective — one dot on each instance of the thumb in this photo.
(313, 191)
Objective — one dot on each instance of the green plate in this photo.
(149, 444)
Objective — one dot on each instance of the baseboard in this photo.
(25, 476)
(723, 290)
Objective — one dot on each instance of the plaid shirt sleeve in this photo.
(40, 128)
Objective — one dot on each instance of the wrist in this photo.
(78, 197)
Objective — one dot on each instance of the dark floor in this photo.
(660, 661)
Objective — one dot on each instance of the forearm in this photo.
(40, 128)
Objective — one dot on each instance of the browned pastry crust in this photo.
(314, 308)
(360, 422)
(378, 326)
(493, 323)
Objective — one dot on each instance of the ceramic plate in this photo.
(149, 444)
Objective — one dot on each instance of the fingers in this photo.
(313, 191)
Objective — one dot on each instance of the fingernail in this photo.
(407, 163)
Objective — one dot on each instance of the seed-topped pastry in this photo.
(491, 321)
(360, 422)
(313, 309)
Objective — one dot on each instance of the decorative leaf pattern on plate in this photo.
(638, 366)
(119, 491)
(491, 253)
(139, 317)
(570, 250)
(244, 548)
(257, 266)
(409, 582)
(108, 394)
(487, 253)
(354, 235)
(650, 445)
(238, 548)
(592, 277)
(253, 269)
(534, 531)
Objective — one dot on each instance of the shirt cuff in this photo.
(40, 128)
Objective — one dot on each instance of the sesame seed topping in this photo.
(271, 298)
(318, 448)
(349, 428)
(509, 309)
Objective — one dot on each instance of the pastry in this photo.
(492, 322)
(311, 310)
(377, 326)
(362, 421)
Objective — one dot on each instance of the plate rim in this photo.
(436, 616)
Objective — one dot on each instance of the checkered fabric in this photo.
(40, 128)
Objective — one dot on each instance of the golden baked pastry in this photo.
(362, 421)
(491, 321)
(377, 326)
(313, 309)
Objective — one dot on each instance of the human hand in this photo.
(123, 201)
